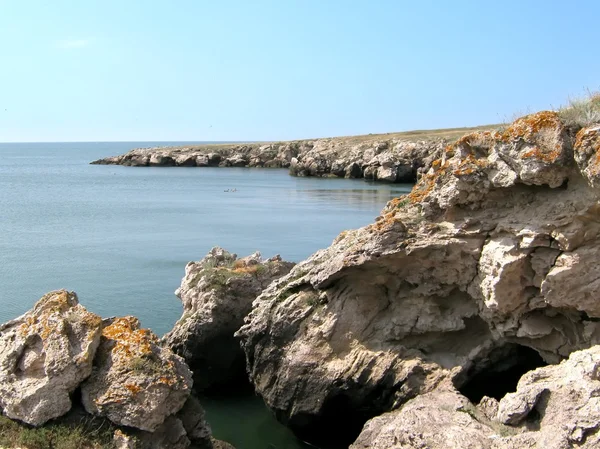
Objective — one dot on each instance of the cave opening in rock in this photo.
(338, 425)
(498, 373)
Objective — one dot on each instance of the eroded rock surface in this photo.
(491, 251)
(554, 407)
(438, 419)
(186, 429)
(44, 355)
(217, 293)
(136, 382)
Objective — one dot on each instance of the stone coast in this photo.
(393, 158)
(466, 316)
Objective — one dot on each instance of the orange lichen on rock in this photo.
(246, 269)
(469, 165)
(50, 312)
(423, 188)
(546, 156)
(527, 127)
(588, 138)
(133, 388)
(478, 139)
(128, 337)
(386, 222)
(587, 146)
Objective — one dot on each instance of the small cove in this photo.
(121, 236)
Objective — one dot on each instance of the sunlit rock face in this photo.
(217, 293)
(44, 355)
(553, 407)
(493, 248)
(136, 382)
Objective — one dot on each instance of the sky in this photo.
(235, 70)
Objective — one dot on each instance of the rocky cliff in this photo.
(388, 158)
(486, 270)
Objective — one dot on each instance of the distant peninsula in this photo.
(392, 157)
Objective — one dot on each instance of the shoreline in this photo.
(391, 158)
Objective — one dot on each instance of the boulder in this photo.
(44, 355)
(387, 174)
(353, 170)
(186, 429)
(135, 382)
(217, 293)
(442, 419)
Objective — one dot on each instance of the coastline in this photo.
(392, 157)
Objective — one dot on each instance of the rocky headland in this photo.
(466, 317)
(397, 157)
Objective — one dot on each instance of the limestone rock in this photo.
(554, 407)
(197, 430)
(217, 293)
(169, 435)
(44, 355)
(587, 154)
(492, 251)
(186, 429)
(565, 400)
(136, 382)
(440, 420)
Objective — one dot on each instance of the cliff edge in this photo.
(485, 271)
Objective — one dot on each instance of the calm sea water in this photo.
(121, 236)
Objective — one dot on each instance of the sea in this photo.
(120, 237)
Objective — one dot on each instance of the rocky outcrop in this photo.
(554, 407)
(442, 419)
(378, 159)
(59, 352)
(44, 355)
(186, 429)
(136, 382)
(217, 293)
(484, 269)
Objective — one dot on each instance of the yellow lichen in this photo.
(129, 339)
(545, 156)
(588, 141)
(526, 128)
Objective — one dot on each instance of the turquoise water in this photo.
(121, 236)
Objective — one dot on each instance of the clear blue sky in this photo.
(284, 69)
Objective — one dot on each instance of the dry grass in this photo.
(450, 134)
(89, 433)
(581, 112)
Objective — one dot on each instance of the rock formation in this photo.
(484, 271)
(59, 349)
(217, 293)
(44, 355)
(554, 407)
(136, 382)
(378, 159)
(186, 429)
